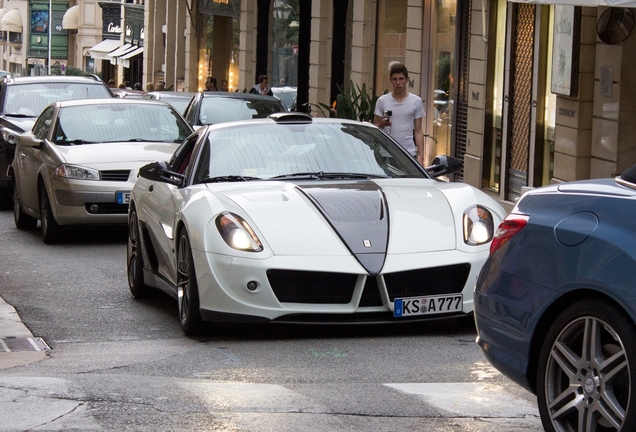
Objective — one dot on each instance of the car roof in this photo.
(285, 118)
(238, 95)
(103, 101)
(53, 78)
(171, 94)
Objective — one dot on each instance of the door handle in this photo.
(151, 188)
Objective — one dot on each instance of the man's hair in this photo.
(397, 68)
(262, 78)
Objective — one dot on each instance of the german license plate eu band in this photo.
(427, 305)
(123, 197)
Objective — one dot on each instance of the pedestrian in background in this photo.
(224, 85)
(161, 85)
(400, 113)
(262, 86)
(210, 84)
(150, 87)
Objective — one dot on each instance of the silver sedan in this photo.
(79, 163)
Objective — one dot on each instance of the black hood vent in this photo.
(358, 213)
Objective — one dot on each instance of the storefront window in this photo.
(443, 96)
(285, 43)
(495, 133)
(391, 40)
(549, 115)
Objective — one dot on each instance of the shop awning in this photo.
(70, 21)
(122, 50)
(134, 52)
(3, 11)
(587, 3)
(12, 21)
(103, 49)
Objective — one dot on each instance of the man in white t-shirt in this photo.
(400, 113)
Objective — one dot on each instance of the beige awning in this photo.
(12, 21)
(3, 12)
(103, 49)
(70, 21)
(587, 3)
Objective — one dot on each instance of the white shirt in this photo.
(404, 115)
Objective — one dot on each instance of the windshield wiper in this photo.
(74, 142)
(19, 115)
(229, 178)
(326, 175)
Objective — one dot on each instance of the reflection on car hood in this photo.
(420, 218)
(117, 152)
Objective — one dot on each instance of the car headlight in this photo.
(9, 136)
(76, 172)
(237, 233)
(478, 225)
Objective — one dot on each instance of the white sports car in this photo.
(296, 219)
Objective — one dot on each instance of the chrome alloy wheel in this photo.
(587, 381)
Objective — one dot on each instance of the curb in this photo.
(11, 329)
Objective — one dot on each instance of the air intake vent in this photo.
(115, 175)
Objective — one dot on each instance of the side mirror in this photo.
(29, 140)
(159, 172)
(443, 165)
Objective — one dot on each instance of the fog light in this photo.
(94, 208)
(252, 285)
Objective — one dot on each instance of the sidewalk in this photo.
(17, 344)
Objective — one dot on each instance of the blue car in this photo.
(555, 303)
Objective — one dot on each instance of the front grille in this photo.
(425, 282)
(115, 175)
(107, 208)
(292, 286)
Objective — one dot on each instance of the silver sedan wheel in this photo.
(585, 375)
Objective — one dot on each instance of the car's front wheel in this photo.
(187, 289)
(134, 259)
(587, 368)
(21, 219)
(51, 231)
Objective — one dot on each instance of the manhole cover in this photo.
(23, 344)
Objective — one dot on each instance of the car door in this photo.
(28, 161)
(161, 203)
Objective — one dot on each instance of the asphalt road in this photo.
(121, 364)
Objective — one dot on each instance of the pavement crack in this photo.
(58, 417)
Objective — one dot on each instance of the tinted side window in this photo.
(41, 127)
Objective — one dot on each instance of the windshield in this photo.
(31, 99)
(120, 122)
(219, 109)
(315, 151)
(179, 103)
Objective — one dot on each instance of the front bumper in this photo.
(223, 286)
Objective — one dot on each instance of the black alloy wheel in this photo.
(51, 231)
(22, 220)
(187, 290)
(134, 259)
(587, 367)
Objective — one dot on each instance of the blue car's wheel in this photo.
(187, 289)
(587, 369)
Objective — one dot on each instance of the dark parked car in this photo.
(179, 100)
(555, 303)
(22, 99)
(213, 107)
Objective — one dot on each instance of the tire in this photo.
(187, 290)
(134, 260)
(51, 232)
(578, 389)
(22, 220)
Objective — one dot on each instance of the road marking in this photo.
(470, 399)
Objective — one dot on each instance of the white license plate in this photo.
(123, 197)
(427, 305)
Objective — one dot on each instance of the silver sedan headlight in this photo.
(237, 233)
(478, 225)
(76, 172)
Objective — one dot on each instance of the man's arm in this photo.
(419, 139)
(380, 121)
